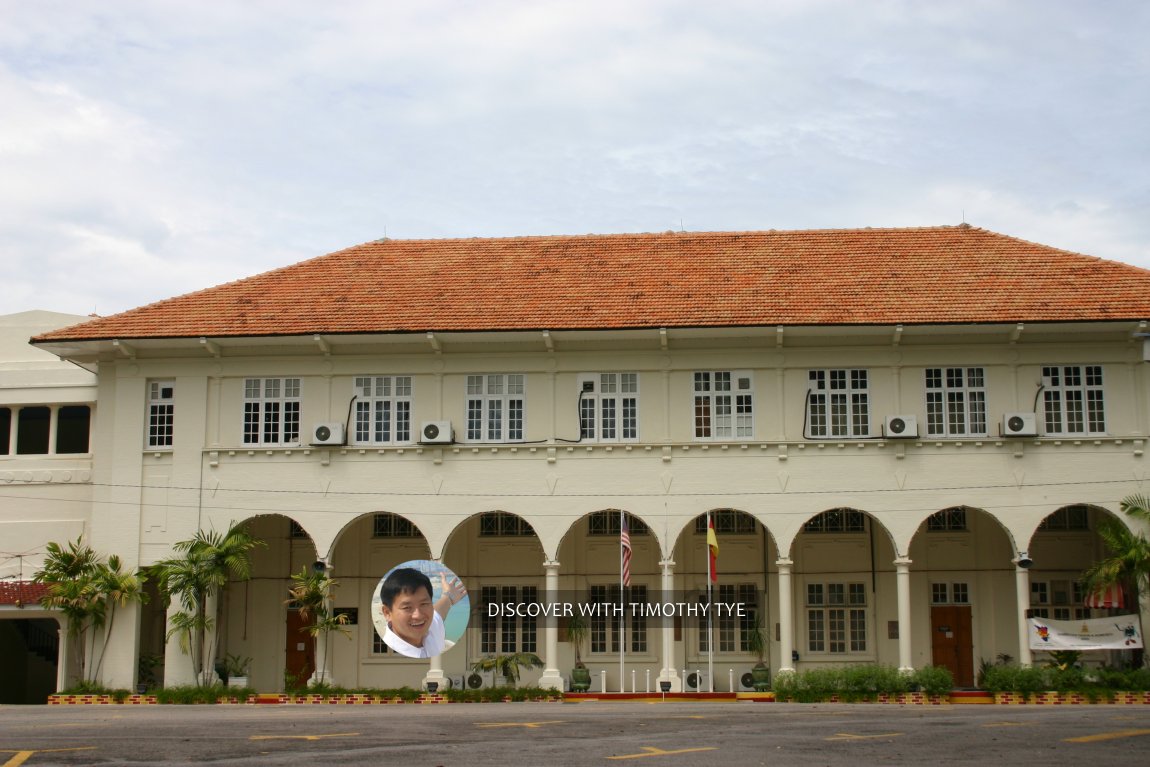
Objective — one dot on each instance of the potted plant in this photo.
(757, 643)
(576, 633)
(236, 669)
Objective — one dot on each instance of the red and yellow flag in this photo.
(712, 548)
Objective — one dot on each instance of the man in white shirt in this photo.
(414, 624)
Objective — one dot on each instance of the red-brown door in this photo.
(300, 651)
(951, 642)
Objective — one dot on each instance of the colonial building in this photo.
(46, 410)
(906, 437)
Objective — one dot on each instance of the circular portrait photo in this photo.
(420, 608)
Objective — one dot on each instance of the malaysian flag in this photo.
(625, 543)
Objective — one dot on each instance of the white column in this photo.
(53, 425)
(435, 671)
(902, 582)
(212, 610)
(1022, 595)
(65, 671)
(786, 617)
(669, 673)
(551, 676)
(177, 663)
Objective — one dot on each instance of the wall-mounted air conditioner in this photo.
(329, 434)
(747, 682)
(475, 680)
(455, 682)
(901, 426)
(436, 433)
(1019, 425)
(696, 680)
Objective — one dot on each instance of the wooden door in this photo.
(300, 655)
(951, 642)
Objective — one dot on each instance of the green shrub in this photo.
(869, 681)
(189, 694)
(95, 688)
(933, 680)
(1016, 679)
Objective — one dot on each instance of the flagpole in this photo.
(710, 607)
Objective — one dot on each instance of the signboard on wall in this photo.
(1119, 632)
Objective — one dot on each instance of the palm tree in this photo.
(118, 589)
(1128, 563)
(69, 574)
(508, 665)
(309, 593)
(209, 559)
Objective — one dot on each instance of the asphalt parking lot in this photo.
(558, 734)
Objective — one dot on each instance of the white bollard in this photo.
(648, 681)
(731, 679)
(632, 681)
(603, 678)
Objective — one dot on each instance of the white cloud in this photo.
(151, 148)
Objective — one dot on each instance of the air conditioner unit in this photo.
(474, 681)
(329, 434)
(696, 680)
(901, 426)
(1019, 425)
(436, 433)
(455, 682)
(747, 682)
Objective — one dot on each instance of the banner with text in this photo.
(1119, 632)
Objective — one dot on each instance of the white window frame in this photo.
(495, 407)
(509, 633)
(604, 625)
(723, 405)
(1073, 400)
(272, 407)
(382, 410)
(161, 414)
(609, 407)
(832, 618)
(955, 401)
(839, 403)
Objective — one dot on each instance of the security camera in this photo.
(1024, 560)
(319, 566)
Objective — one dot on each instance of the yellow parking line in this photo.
(851, 736)
(304, 737)
(655, 751)
(23, 756)
(1106, 736)
(516, 724)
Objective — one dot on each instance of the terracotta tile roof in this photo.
(950, 274)
(24, 593)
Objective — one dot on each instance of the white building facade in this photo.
(886, 488)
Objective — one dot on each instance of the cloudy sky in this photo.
(155, 147)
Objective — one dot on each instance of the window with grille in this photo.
(606, 625)
(389, 525)
(732, 631)
(838, 404)
(495, 407)
(161, 413)
(724, 405)
(271, 411)
(1068, 518)
(836, 618)
(955, 402)
(609, 407)
(727, 522)
(607, 523)
(501, 523)
(1072, 399)
(1058, 599)
(949, 593)
(508, 633)
(947, 520)
(837, 521)
(382, 410)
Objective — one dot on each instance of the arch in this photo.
(959, 518)
(845, 520)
